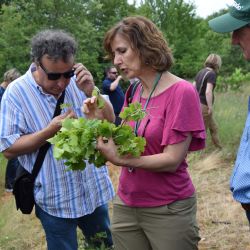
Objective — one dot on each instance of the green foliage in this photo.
(76, 141)
(100, 102)
(133, 112)
(189, 36)
(232, 82)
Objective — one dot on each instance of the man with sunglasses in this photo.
(63, 199)
(112, 88)
(237, 21)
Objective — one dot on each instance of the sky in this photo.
(206, 7)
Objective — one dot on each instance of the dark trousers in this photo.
(10, 173)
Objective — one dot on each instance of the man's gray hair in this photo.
(57, 44)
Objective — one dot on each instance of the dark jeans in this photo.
(10, 173)
(61, 232)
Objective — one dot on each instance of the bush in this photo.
(232, 82)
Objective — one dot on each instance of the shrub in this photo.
(232, 82)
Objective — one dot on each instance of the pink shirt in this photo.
(170, 116)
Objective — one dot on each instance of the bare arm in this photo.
(168, 161)
(31, 142)
(209, 97)
(115, 83)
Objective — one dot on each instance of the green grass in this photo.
(230, 110)
(210, 171)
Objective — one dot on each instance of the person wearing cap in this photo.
(237, 21)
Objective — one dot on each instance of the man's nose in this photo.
(62, 81)
(234, 38)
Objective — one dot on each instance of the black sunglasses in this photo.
(56, 76)
(113, 73)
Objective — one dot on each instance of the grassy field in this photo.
(222, 221)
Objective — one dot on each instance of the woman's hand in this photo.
(109, 150)
(91, 110)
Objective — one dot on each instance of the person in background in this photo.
(12, 164)
(64, 199)
(112, 88)
(205, 82)
(155, 206)
(237, 21)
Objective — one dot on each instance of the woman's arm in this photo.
(168, 161)
(209, 97)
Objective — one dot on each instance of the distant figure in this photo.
(237, 21)
(8, 77)
(205, 82)
(12, 165)
(112, 88)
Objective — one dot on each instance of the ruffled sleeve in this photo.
(184, 116)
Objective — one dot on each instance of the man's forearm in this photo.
(27, 144)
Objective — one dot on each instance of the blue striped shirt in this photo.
(26, 109)
(240, 179)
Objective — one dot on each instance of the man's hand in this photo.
(56, 123)
(84, 79)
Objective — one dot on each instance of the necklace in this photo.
(137, 124)
(156, 81)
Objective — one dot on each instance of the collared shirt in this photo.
(26, 109)
(240, 179)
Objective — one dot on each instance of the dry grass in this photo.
(222, 222)
(17, 231)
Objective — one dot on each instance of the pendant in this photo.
(130, 170)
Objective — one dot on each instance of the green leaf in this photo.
(76, 140)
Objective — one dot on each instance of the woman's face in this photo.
(125, 58)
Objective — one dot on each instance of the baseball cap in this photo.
(237, 17)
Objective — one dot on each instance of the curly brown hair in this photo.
(145, 38)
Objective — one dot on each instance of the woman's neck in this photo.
(147, 81)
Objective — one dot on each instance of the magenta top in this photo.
(171, 115)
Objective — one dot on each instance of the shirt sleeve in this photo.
(106, 86)
(183, 116)
(12, 123)
(211, 78)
